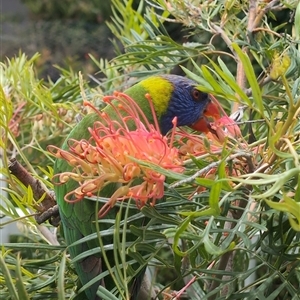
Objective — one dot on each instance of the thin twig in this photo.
(217, 29)
(262, 12)
(39, 192)
(208, 168)
(222, 266)
(51, 214)
(48, 235)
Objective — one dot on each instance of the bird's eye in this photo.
(197, 95)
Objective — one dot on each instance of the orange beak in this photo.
(211, 112)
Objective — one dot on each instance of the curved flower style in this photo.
(110, 155)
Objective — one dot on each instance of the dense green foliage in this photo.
(228, 227)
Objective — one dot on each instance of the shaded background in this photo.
(63, 32)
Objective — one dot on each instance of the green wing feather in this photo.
(78, 219)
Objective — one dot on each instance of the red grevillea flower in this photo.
(111, 152)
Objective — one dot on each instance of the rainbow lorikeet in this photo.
(172, 96)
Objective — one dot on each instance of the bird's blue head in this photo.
(177, 96)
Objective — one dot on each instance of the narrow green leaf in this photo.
(177, 262)
(8, 279)
(210, 247)
(207, 87)
(224, 69)
(211, 80)
(278, 181)
(187, 235)
(105, 294)
(297, 24)
(119, 275)
(159, 169)
(153, 213)
(19, 281)
(177, 236)
(205, 182)
(199, 213)
(31, 246)
(297, 193)
(288, 205)
(250, 74)
(146, 234)
(61, 278)
(214, 197)
(230, 80)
